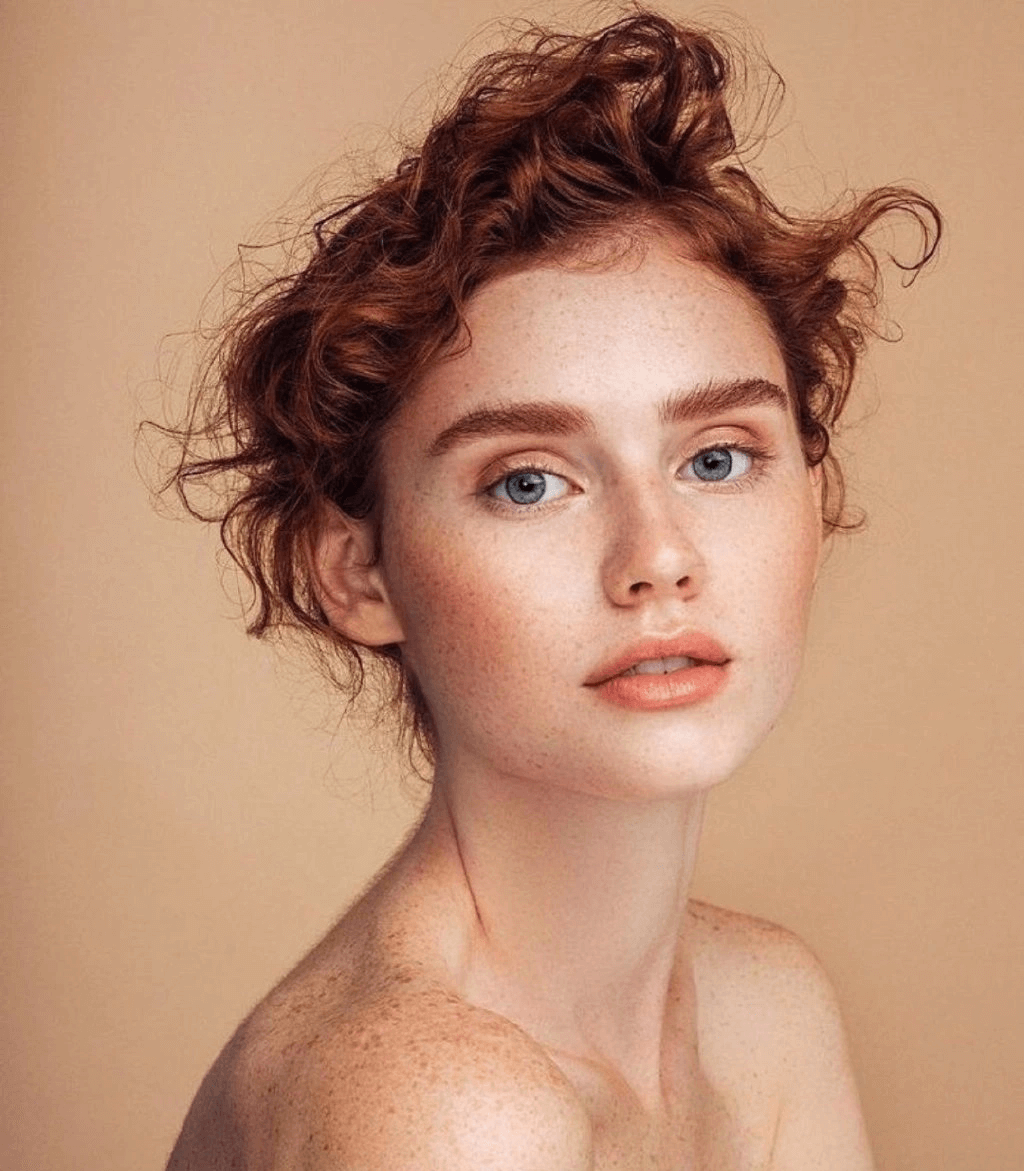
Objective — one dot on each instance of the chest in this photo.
(698, 1128)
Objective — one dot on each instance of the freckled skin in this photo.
(485, 600)
(527, 984)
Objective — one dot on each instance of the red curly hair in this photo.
(558, 140)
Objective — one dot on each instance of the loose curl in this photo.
(557, 141)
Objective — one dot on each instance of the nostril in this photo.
(639, 586)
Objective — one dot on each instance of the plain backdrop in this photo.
(182, 816)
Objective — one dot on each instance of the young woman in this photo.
(542, 430)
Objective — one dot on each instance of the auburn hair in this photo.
(557, 140)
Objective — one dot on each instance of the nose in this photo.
(651, 550)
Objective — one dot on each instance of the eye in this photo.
(720, 463)
(529, 486)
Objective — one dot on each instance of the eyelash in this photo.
(759, 458)
(503, 472)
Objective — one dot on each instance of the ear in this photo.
(349, 585)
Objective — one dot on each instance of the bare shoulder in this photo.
(742, 954)
(395, 1074)
(760, 987)
(770, 1019)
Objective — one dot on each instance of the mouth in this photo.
(661, 666)
(662, 656)
(663, 673)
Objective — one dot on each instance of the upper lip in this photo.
(691, 645)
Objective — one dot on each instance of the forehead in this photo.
(612, 338)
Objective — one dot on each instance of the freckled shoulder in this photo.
(772, 1034)
(745, 945)
(400, 1075)
(759, 985)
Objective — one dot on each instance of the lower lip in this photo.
(676, 689)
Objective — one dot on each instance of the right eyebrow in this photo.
(534, 418)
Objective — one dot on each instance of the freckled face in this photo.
(592, 510)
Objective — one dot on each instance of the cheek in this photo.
(472, 613)
(774, 565)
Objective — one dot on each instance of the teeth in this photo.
(660, 666)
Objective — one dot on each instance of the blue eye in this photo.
(720, 463)
(529, 486)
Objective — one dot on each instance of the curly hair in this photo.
(557, 140)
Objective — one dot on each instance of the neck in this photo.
(574, 907)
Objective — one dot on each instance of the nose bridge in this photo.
(651, 546)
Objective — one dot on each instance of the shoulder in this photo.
(741, 955)
(423, 1080)
(761, 985)
(400, 1077)
(772, 1014)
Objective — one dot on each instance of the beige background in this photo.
(178, 826)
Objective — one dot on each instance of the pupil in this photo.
(714, 465)
(525, 487)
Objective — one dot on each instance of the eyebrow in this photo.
(715, 398)
(546, 418)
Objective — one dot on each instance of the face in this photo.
(600, 535)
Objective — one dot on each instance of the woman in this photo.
(543, 429)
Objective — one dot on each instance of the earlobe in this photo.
(349, 582)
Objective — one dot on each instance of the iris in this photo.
(713, 465)
(525, 487)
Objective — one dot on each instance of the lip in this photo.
(689, 685)
(692, 645)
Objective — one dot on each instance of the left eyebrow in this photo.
(715, 398)
(547, 418)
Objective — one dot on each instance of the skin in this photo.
(528, 984)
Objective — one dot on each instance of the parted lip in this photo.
(692, 645)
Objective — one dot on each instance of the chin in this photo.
(678, 766)
(678, 752)
(649, 760)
